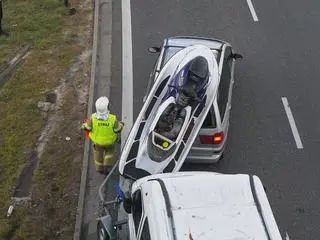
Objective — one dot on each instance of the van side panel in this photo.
(266, 210)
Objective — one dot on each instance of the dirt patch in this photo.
(51, 97)
(24, 183)
(78, 88)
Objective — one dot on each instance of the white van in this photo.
(196, 205)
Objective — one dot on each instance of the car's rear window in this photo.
(210, 121)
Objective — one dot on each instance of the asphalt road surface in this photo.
(280, 44)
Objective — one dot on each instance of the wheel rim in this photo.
(102, 234)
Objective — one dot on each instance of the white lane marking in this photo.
(127, 72)
(287, 236)
(292, 123)
(253, 12)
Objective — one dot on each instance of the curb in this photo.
(79, 217)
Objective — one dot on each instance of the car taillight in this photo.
(217, 138)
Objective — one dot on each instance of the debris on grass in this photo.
(10, 211)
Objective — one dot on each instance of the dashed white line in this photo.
(127, 72)
(292, 123)
(253, 12)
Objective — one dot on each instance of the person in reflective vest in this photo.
(104, 130)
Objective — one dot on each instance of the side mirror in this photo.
(237, 56)
(154, 49)
(105, 228)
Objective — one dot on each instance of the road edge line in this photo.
(84, 170)
(127, 70)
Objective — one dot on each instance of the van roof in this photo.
(196, 205)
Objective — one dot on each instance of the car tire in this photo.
(127, 203)
(101, 232)
(217, 164)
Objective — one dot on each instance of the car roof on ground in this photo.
(208, 206)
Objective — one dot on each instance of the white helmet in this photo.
(102, 105)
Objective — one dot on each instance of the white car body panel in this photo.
(207, 206)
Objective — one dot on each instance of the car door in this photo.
(144, 233)
(137, 214)
(225, 89)
(166, 53)
(153, 75)
(140, 228)
(232, 61)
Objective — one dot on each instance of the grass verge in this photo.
(56, 39)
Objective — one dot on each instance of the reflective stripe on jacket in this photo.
(102, 132)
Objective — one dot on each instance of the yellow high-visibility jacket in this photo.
(103, 132)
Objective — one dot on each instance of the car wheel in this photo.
(127, 202)
(221, 158)
(217, 164)
(102, 234)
